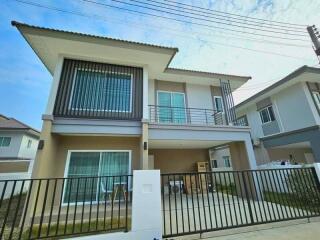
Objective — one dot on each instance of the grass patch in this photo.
(66, 231)
(227, 189)
(14, 209)
(290, 200)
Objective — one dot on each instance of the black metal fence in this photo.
(201, 202)
(179, 115)
(56, 207)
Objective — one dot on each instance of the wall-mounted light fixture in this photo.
(145, 145)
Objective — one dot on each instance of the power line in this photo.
(200, 19)
(214, 16)
(188, 22)
(103, 19)
(238, 15)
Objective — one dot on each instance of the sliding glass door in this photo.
(171, 107)
(108, 165)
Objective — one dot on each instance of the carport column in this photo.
(242, 155)
(144, 146)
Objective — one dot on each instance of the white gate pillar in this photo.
(317, 168)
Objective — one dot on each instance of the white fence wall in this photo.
(9, 186)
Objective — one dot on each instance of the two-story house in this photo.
(18, 147)
(285, 118)
(116, 106)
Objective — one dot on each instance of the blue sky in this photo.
(25, 82)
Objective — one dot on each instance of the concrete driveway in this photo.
(307, 231)
(302, 229)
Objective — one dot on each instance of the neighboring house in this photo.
(285, 118)
(220, 158)
(18, 147)
(116, 106)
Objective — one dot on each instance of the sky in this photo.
(25, 82)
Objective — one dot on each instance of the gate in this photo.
(209, 201)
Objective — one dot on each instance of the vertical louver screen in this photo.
(96, 90)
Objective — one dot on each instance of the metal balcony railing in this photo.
(186, 116)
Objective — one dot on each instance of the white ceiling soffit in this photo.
(183, 144)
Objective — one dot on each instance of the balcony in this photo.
(186, 116)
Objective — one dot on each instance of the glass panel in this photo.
(5, 141)
(82, 164)
(178, 110)
(270, 109)
(218, 103)
(226, 161)
(164, 102)
(316, 96)
(101, 91)
(113, 164)
(264, 116)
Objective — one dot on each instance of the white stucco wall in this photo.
(26, 152)
(254, 121)
(13, 149)
(294, 108)
(199, 96)
(219, 154)
(151, 92)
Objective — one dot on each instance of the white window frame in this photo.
(215, 105)
(316, 96)
(269, 117)
(66, 170)
(184, 101)
(98, 71)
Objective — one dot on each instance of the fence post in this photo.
(317, 168)
(146, 205)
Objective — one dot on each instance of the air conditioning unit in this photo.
(176, 187)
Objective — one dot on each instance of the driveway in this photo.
(307, 231)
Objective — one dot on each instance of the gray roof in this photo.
(287, 78)
(14, 124)
(18, 24)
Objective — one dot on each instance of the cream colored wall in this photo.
(13, 167)
(178, 160)
(95, 143)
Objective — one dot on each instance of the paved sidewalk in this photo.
(304, 231)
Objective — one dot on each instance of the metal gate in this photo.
(209, 201)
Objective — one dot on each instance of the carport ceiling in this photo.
(184, 144)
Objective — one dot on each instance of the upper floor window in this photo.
(101, 91)
(226, 160)
(171, 107)
(267, 114)
(218, 103)
(29, 143)
(214, 163)
(242, 121)
(316, 96)
(5, 141)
